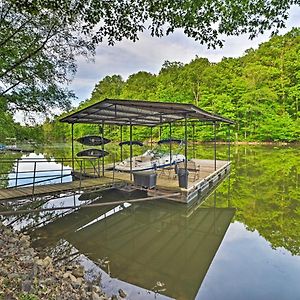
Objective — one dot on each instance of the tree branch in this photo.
(10, 88)
(30, 54)
(14, 33)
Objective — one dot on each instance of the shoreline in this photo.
(26, 276)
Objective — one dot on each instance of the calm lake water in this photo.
(241, 242)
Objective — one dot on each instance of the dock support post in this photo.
(228, 142)
(130, 127)
(17, 172)
(102, 147)
(160, 132)
(121, 138)
(170, 144)
(62, 170)
(73, 147)
(215, 146)
(193, 126)
(34, 174)
(185, 148)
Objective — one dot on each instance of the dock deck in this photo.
(166, 182)
(57, 188)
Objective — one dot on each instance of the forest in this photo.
(260, 91)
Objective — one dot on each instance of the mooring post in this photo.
(130, 138)
(73, 147)
(215, 145)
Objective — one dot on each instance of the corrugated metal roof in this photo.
(140, 112)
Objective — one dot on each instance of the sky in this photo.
(149, 53)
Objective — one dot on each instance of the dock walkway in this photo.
(57, 188)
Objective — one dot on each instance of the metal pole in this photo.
(228, 142)
(170, 144)
(80, 175)
(103, 148)
(151, 137)
(17, 172)
(114, 165)
(193, 126)
(160, 132)
(121, 137)
(62, 170)
(130, 138)
(73, 147)
(185, 148)
(33, 182)
(215, 145)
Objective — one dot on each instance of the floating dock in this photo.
(166, 183)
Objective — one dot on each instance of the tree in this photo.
(108, 87)
(37, 57)
(40, 39)
(204, 21)
(141, 85)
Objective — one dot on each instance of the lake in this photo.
(241, 242)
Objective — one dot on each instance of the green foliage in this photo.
(39, 41)
(259, 91)
(203, 21)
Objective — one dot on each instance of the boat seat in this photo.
(146, 158)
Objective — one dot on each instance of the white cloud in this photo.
(148, 54)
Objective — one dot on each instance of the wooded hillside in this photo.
(260, 91)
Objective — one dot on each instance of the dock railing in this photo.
(22, 172)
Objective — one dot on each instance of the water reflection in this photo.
(146, 243)
(23, 170)
(167, 242)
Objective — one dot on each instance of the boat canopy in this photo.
(140, 112)
(138, 143)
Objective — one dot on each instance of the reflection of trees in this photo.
(265, 189)
(6, 166)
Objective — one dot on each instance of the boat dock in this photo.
(166, 183)
(173, 176)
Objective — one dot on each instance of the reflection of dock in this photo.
(148, 243)
(173, 250)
